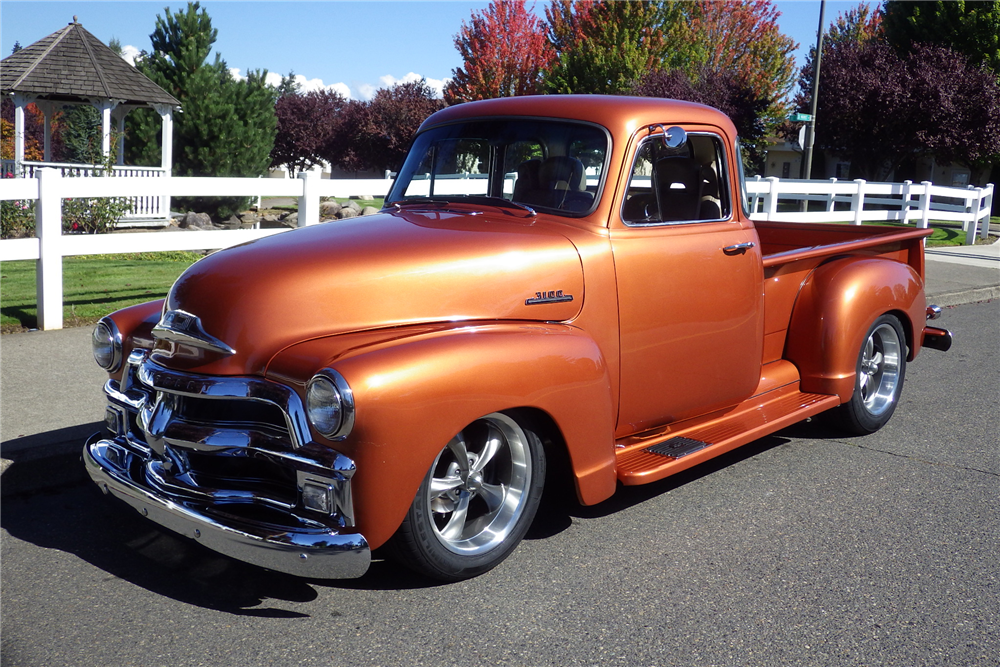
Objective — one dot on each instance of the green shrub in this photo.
(17, 219)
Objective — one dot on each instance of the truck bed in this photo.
(783, 242)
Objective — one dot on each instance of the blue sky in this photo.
(357, 47)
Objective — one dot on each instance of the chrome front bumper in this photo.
(228, 462)
(295, 545)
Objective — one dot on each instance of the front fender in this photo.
(834, 309)
(414, 393)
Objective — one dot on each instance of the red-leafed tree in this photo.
(742, 37)
(505, 52)
(723, 90)
(603, 47)
(306, 123)
(859, 25)
(878, 109)
(376, 135)
(34, 132)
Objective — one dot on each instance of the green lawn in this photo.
(93, 286)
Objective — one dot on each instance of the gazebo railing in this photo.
(143, 208)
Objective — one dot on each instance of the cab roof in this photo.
(619, 114)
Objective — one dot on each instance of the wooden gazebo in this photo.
(72, 67)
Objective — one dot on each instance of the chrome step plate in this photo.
(677, 447)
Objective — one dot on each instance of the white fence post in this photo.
(925, 206)
(771, 198)
(48, 227)
(309, 201)
(904, 207)
(972, 210)
(858, 201)
(986, 207)
(755, 200)
(831, 199)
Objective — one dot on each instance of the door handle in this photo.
(738, 249)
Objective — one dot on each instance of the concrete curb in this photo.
(966, 296)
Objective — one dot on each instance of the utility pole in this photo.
(807, 157)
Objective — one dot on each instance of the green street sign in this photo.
(800, 117)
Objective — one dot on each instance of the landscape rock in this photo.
(232, 223)
(347, 212)
(192, 220)
(329, 209)
(291, 220)
(369, 210)
(249, 219)
(354, 206)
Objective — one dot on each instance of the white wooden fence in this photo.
(50, 245)
(861, 202)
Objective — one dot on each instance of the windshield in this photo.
(551, 165)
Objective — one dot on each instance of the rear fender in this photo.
(834, 309)
(414, 394)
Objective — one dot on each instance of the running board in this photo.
(643, 459)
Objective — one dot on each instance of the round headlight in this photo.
(330, 404)
(106, 342)
(323, 405)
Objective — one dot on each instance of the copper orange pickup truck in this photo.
(559, 290)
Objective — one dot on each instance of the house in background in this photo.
(784, 160)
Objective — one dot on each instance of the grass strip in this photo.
(93, 286)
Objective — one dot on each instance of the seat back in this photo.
(678, 183)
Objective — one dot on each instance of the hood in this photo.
(387, 270)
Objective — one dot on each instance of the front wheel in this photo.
(476, 502)
(880, 371)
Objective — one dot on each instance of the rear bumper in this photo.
(933, 337)
(280, 541)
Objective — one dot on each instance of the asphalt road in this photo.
(804, 548)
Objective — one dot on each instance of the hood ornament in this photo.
(178, 326)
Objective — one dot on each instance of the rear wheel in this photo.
(476, 502)
(880, 371)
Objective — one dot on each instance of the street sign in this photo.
(800, 117)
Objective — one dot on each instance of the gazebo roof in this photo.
(72, 65)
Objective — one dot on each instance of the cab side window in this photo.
(676, 185)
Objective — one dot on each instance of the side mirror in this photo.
(672, 137)
(675, 137)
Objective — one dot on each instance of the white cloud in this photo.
(367, 90)
(129, 53)
(357, 91)
(307, 85)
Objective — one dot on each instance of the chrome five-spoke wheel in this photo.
(476, 502)
(881, 368)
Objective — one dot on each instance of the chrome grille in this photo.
(225, 440)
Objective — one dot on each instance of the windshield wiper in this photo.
(470, 199)
(501, 202)
(416, 200)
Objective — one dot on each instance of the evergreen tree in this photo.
(227, 126)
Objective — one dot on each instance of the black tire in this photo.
(878, 384)
(466, 519)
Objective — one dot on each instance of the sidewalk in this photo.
(962, 274)
(51, 394)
